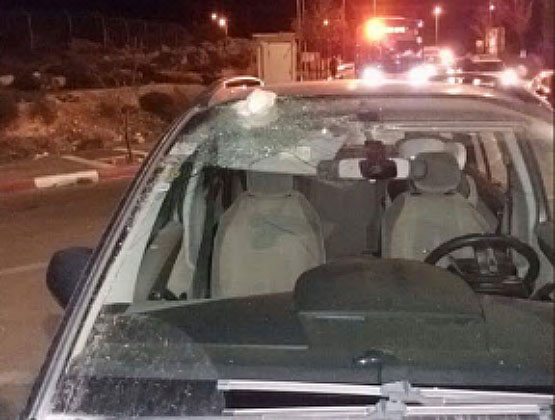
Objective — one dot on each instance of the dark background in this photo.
(248, 16)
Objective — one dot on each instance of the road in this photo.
(32, 226)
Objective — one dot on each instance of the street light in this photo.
(437, 12)
(374, 29)
(326, 22)
(491, 10)
(222, 23)
(214, 16)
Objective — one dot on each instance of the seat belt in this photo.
(507, 212)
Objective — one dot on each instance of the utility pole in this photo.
(437, 12)
(299, 29)
(375, 9)
(343, 30)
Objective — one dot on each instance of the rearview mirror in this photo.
(64, 272)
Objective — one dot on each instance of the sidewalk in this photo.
(80, 168)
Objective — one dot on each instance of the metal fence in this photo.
(35, 30)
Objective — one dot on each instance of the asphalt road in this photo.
(33, 226)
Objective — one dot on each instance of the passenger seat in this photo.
(267, 238)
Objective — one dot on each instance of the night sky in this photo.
(248, 16)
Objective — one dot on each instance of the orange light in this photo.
(326, 22)
(438, 10)
(374, 29)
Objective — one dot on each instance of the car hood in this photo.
(423, 323)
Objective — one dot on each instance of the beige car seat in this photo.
(267, 238)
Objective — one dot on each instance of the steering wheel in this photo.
(492, 269)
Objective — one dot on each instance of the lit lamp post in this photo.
(214, 16)
(222, 23)
(437, 13)
(491, 10)
(326, 24)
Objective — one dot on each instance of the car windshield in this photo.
(303, 239)
(484, 66)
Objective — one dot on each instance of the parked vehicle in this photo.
(318, 249)
(542, 84)
(346, 71)
(487, 70)
(390, 42)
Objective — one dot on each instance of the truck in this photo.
(392, 42)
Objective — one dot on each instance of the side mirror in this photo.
(64, 271)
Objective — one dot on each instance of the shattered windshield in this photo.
(322, 240)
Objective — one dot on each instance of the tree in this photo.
(316, 34)
(548, 10)
(516, 14)
(481, 23)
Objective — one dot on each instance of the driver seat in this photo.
(431, 212)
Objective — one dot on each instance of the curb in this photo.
(65, 179)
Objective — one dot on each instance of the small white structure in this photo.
(276, 57)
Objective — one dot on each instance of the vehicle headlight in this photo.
(447, 57)
(509, 77)
(373, 75)
(423, 73)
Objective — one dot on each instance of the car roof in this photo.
(515, 98)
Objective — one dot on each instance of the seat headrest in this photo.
(269, 184)
(440, 173)
(409, 149)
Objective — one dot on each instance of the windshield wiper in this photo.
(395, 400)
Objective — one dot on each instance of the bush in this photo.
(79, 75)
(181, 100)
(209, 77)
(160, 104)
(198, 59)
(45, 109)
(107, 109)
(239, 61)
(27, 81)
(216, 61)
(8, 108)
(166, 59)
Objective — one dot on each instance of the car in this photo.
(486, 70)
(330, 248)
(443, 59)
(410, 68)
(345, 71)
(542, 84)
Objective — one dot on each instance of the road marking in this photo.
(50, 181)
(142, 153)
(89, 162)
(23, 268)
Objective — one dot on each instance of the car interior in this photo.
(231, 232)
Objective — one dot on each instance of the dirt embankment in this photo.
(87, 96)
(35, 123)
